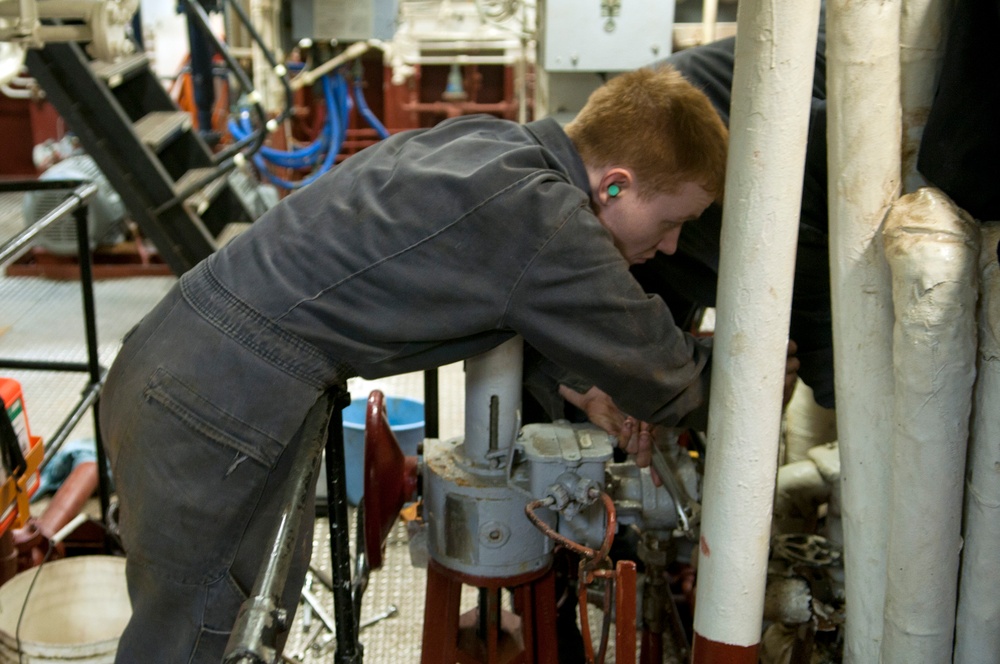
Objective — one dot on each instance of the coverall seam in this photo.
(189, 417)
(447, 227)
(531, 263)
(340, 369)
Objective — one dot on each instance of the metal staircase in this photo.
(182, 196)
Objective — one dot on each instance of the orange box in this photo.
(16, 491)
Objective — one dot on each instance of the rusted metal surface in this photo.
(488, 634)
(625, 612)
(707, 651)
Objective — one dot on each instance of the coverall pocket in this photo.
(207, 419)
(189, 483)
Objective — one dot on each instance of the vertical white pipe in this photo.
(933, 252)
(709, 18)
(921, 41)
(772, 86)
(977, 638)
(493, 401)
(264, 15)
(863, 135)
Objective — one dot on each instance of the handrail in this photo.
(81, 195)
(75, 204)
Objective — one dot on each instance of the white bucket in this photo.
(76, 612)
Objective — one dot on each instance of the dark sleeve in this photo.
(579, 306)
(960, 148)
(541, 401)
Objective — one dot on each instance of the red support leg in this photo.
(527, 636)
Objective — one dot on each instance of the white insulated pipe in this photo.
(863, 138)
(772, 86)
(264, 15)
(493, 402)
(807, 424)
(921, 43)
(709, 19)
(933, 251)
(977, 638)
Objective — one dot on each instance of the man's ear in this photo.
(614, 183)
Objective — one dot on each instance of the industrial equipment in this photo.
(499, 500)
(104, 216)
(103, 23)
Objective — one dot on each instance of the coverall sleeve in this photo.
(580, 307)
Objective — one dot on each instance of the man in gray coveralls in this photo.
(432, 246)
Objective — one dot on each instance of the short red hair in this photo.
(656, 123)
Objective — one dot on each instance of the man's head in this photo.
(655, 152)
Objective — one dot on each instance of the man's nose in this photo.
(668, 244)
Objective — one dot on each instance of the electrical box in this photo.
(605, 35)
(344, 20)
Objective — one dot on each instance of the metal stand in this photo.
(488, 634)
(346, 606)
(431, 408)
(261, 618)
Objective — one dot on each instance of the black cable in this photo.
(24, 606)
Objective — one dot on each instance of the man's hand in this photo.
(792, 365)
(635, 437)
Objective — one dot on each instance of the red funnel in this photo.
(390, 479)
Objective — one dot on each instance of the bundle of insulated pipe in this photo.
(977, 638)
(932, 248)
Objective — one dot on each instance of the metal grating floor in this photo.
(43, 319)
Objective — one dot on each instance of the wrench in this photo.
(688, 510)
(388, 613)
(299, 654)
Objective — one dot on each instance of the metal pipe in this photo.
(863, 137)
(261, 618)
(49, 33)
(29, 14)
(709, 18)
(977, 638)
(86, 261)
(266, 15)
(353, 51)
(933, 251)
(496, 373)
(348, 649)
(12, 249)
(56, 440)
(31, 10)
(772, 86)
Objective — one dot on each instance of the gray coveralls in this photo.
(432, 246)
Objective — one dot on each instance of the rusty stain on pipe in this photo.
(707, 651)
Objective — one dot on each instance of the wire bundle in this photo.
(321, 154)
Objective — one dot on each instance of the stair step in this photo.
(201, 199)
(230, 231)
(117, 72)
(158, 128)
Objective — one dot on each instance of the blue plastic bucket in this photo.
(406, 419)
